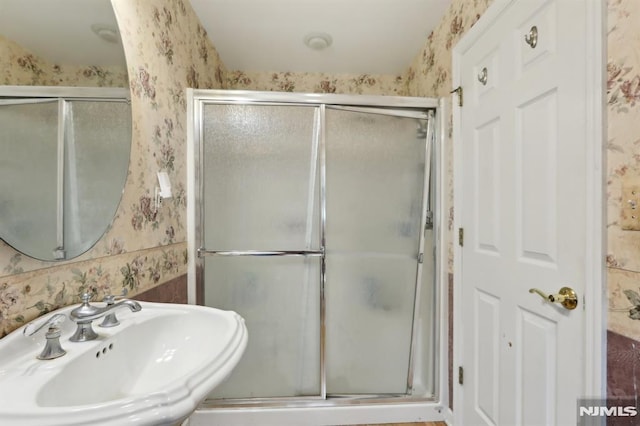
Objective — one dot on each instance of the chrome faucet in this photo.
(52, 349)
(85, 314)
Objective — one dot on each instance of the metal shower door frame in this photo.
(387, 105)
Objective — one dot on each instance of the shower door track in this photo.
(403, 107)
(330, 400)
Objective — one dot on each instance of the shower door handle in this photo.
(567, 297)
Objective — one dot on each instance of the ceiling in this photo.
(60, 30)
(368, 36)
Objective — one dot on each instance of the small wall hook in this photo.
(483, 76)
(532, 37)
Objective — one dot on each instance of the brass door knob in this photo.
(566, 297)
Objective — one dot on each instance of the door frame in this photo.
(595, 294)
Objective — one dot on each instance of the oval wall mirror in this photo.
(65, 125)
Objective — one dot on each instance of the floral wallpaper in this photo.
(360, 84)
(430, 75)
(34, 293)
(167, 50)
(430, 72)
(20, 67)
(623, 115)
(623, 253)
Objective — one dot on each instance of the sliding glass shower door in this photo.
(375, 183)
(311, 220)
(260, 196)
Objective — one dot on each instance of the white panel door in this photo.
(524, 192)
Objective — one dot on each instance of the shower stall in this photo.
(316, 218)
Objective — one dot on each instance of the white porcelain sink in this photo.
(152, 369)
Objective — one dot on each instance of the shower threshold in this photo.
(301, 402)
(334, 410)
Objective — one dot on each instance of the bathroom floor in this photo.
(409, 424)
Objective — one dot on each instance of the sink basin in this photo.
(152, 369)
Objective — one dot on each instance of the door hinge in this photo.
(461, 237)
(460, 375)
(458, 91)
(421, 258)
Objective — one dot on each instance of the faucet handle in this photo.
(110, 320)
(52, 348)
(110, 299)
(84, 309)
(86, 298)
(53, 323)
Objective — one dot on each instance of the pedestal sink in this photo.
(152, 369)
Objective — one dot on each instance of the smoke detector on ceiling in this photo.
(318, 41)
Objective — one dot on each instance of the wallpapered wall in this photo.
(623, 107)
(360, 84)
(430, 75)
(167, 50)
(623, 155)
(19, 67)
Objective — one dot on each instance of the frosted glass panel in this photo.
(375, 178)
(260, 178)
(261, 186)
(98, 143)
(279, 299)
(369, 318)
(28, 177)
